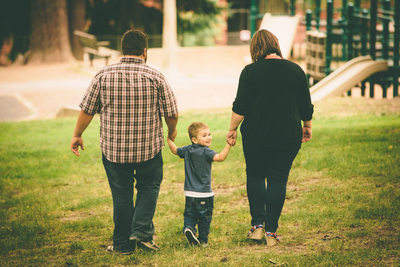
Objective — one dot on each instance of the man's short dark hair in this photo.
(133, 43)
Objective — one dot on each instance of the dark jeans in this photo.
(199, 211)
(266, 201)
(129, 219)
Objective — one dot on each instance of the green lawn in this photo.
(342, 206)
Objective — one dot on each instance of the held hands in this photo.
(172, 135)
(231, 137)
(307, 133)
(77, 142)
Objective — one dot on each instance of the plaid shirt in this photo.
(131, 98)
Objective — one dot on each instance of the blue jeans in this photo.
(266, 202)
(198, 211)
(134, 219)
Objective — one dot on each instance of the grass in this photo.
(342, 205)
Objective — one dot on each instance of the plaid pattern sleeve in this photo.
(166, 99)
(91, 100)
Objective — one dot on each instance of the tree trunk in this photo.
(76, 20)
(49, 42)
(169, 35)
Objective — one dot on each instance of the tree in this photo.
(76, 21)
(199, 21)
(49, 40)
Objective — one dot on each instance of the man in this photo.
(131, 98)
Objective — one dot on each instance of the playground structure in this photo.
(360, 32)
(284, 27)
(347, 76)
(368, 40)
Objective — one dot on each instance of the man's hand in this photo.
(172, 146)
(171, 123)
(231, 137)
(172, 135)
(307, 133)
(76, 142)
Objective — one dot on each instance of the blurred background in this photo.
(27, 25)
(51, 49)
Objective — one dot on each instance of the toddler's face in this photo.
(203, 137)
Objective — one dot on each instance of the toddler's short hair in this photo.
(195, 127)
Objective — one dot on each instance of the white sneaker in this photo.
(191, 237)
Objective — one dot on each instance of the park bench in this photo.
(94, 48)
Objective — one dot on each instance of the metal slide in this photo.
(346, 77)
(284, 28)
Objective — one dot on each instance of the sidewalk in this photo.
(202, 78)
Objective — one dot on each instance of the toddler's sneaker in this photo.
(191, 237)
(204, 245)
(256, 232)
(271, 239)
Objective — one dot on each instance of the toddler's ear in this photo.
(194, 140)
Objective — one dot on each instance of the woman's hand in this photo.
(307, 133)
(231, 137)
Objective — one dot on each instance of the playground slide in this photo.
(347, 76)
(284, 28)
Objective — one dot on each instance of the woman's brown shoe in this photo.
(256, 233)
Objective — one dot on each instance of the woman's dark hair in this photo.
(133, 43)
(263, 44)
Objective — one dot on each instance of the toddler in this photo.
(199, 198)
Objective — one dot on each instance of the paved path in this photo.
(205, 78)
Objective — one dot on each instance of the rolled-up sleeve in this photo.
(240, 105)
(91, 100)
(166, 99)
(306, 108)
(181, 151)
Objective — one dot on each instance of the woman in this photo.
(272, 100)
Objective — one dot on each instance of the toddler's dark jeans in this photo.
(198, 211)
(129, 219)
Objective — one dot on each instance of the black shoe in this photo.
(191, 238)
(111, 248)
(148, 245)
(133, 241)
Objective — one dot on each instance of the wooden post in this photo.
(364, 32)
(317, 14)
(293, 7)
(364, 40)
(357, 5)
(385, 30)
(396, 48)
(253, 16)
(385, 40)
(329, 19)
(372, 41)
(169, 36)
(308, 19)
(343, 23)
(350, 25)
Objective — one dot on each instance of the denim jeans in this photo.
(266, 201)
(198, 211)
(134, 219)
